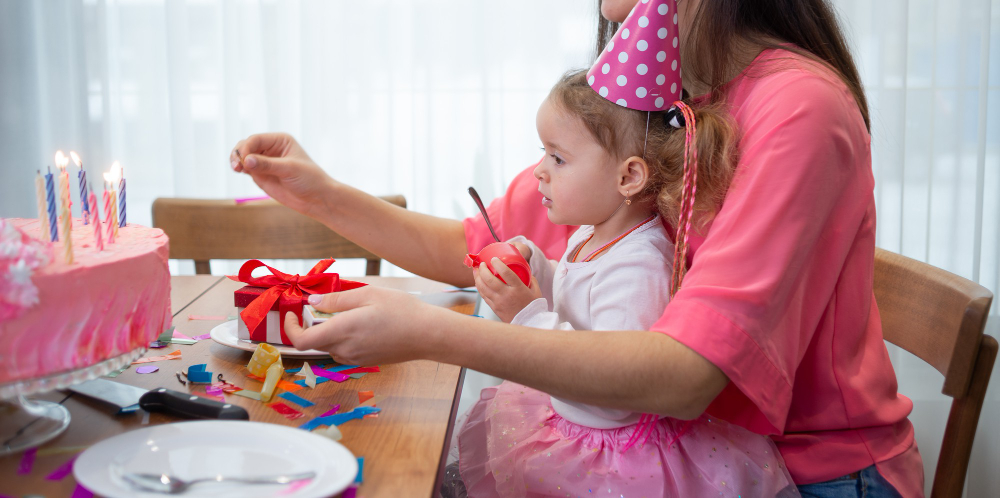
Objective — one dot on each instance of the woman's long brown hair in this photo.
(809, 25)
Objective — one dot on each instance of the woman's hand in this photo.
(374, 325)
(506, 300)
(280, 166)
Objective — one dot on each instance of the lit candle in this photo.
(82, 176)
(97, 221)
(65, 216)
(50, 200)
(112, 177)
(43, 218)
(107, 212)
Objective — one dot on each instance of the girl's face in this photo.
(577, 177)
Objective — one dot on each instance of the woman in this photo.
(775, 328)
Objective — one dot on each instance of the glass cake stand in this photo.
(27, 423)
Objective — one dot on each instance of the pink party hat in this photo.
(641, 66)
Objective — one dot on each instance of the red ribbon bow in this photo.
(288, 290)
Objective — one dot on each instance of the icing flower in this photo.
(20, 255)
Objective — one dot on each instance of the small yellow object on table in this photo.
(266, 363)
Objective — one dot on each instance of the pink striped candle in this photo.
(99, 240)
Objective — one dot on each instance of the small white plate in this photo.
(225, 334)
(193, 450)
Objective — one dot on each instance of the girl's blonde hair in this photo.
(621, 133)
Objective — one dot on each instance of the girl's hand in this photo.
(375, 325)
(506, 300)
(524, 250)
(280, 166)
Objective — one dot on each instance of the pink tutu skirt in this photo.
(515, 444)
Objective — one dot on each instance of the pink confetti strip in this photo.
(288, 412)
(202, 337)
(63, 470)
(27, 462)
(207, 317)
(334, 376)
(81, 492)
(176, 355)
(146, 369)
(295, 486)
(350, 492)
(241, 200)
(355, 370)
(179, 335)
(332, 410)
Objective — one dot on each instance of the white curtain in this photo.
(427, 97)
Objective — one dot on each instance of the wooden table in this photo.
(404, 447)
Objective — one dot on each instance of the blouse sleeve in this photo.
(519, 211)
(762, 280)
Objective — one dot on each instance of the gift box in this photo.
(264, 301)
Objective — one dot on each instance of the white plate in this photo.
(192, 450)
(226, 335)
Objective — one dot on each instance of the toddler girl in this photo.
(618, 173)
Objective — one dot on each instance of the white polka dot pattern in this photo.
(640, 67)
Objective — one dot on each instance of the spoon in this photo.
(479, 202)
(162, 483)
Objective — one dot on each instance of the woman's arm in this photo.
(632, 370)
(426, 245)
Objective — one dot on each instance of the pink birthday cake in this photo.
(57, 317)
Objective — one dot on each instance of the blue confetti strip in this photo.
(339, 418)
(198, 375)
(297, 399)
(317, 364)
(361, 471)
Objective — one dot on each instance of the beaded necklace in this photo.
(605, 246)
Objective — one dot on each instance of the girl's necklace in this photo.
(605, 247)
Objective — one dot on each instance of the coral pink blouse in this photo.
(779, 291)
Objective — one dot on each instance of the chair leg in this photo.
(374, 266)
(953, 464)
(202, 267)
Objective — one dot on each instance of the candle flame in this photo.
(115, 174)
(61, 160)
(76, 158)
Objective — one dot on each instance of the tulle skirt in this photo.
(515, 444)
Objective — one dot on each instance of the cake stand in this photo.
(27, 423)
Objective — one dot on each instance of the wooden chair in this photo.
(204, 229)
(940, 317)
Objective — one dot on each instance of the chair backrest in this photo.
(940, 317)
(204, 229)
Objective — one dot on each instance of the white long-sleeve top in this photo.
(627, 288)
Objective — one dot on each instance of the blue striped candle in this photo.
(121, 201)
(50, 198)
(85, 209)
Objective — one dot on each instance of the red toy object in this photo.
(508, 254)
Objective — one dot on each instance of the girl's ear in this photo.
(633, 175)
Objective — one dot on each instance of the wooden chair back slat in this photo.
(205, 229)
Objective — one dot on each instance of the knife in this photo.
(130, 398)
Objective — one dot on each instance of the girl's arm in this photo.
(652, 372)
(426, 245)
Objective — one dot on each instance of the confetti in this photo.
(297, 400)
(340, 418)
(319, 364)
(27, 462)
(248, 394)
(356, 370)
(310, 376)
(372, 401)
(81, 492)
(63, 470)
(202, 337)
(146, 369)
(197, 374)
(176, 355)
(332, 410)
(166, 335)
(351, 492)
(365, 396)
(206, 317)
(284, 384)
(334, 376)
(158, 344)
(288, 412)
(361, 471)
(178, 335)
(116, 373)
